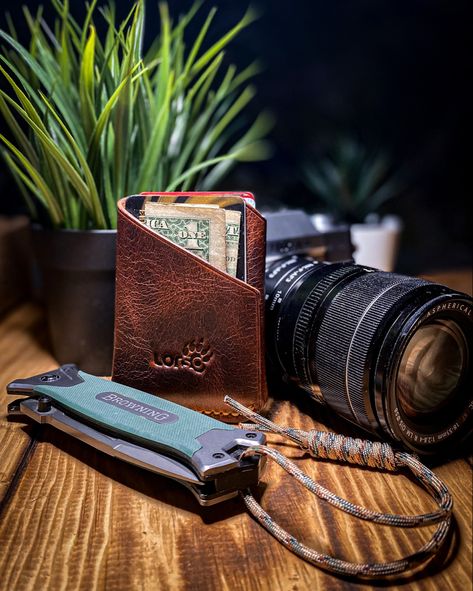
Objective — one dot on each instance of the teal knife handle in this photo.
(134, 414)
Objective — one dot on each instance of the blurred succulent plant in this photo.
(352, 181)
(94, 119)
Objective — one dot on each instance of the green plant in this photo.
(95, 119)
(352, 181)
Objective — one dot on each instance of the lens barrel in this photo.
(388, 352)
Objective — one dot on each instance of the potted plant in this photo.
(353, 183)
(96, 117)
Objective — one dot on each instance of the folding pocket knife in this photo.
(156, 434)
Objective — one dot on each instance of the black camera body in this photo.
(388, 352)
(291, 232)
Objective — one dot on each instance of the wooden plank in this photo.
(90, 522)
(460, 280)
(23, 350)
(78, 520)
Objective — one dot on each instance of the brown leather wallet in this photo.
(185, 330)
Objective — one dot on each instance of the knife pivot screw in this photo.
(50, 377)
(44, 404)
(218, 456)
(251, 435)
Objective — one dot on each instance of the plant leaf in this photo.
(87, 84)
(247, 19)
(48, 198)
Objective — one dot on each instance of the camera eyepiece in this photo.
(388, 352)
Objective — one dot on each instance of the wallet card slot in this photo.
(197, 260)
(136, 205)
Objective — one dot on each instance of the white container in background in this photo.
(377, 244)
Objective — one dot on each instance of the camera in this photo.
(388, 352)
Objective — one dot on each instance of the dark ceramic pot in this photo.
(77, 276)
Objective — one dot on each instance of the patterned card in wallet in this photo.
(189, 318)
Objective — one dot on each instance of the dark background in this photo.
(396, 74)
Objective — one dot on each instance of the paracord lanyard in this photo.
(331, 446)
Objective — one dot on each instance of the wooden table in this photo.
(72, 518)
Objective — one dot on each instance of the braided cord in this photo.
(355, 451)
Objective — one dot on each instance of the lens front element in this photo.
(431, 368)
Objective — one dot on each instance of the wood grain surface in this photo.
(72, 518)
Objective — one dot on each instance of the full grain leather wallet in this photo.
(184, 330)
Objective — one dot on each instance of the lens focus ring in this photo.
(305, 321)
(346, 336)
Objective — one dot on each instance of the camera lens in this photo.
(387, 352)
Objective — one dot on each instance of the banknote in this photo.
(199, 230)
(232, 240)
(231, 232)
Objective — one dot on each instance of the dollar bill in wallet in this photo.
(206, 230)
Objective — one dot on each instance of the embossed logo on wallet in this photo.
(195, 356)
(152, 413)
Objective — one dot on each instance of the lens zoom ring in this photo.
(346, 336)
(306, 316)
